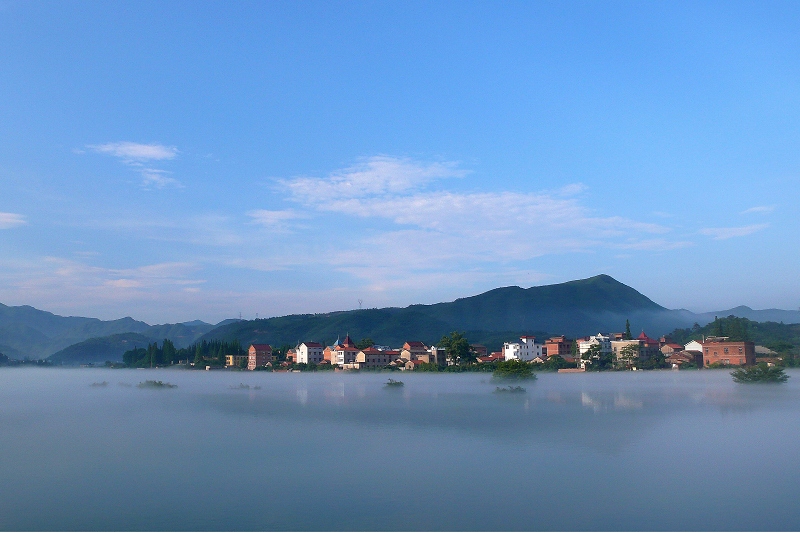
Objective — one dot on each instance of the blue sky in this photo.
(183, 160)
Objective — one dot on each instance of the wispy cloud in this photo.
(11, 220)
(728, 233)
(759, 209)
(408, 225)
(370, 177)
(137, 155)
(158, 179)
(274, 220)
(130, 151)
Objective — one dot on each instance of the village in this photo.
(615, 351)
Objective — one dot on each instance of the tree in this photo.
(168, 352)
(718, 329)
(629, 355)
(760, 373)
(628, 335)
(365, 343)
(514, 370)
(3, 359)
(198, 354)
(590, 355)
(457, 348)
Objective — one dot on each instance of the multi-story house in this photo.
(236, 360)
(437, 355)
(527, 349)
(560, 345)
(721, 350)
(309, 352)
(413, 350)
(342, 353)
(258, 355)
(603, 341)
(372, 358)
(617, 348)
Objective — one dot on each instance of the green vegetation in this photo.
(394, 383)
(575, 307)
(513, 390)
(514, 370)
(457, 347)
(152, 384)
(784, 339)
(202, 354)
(596, 360)
(3, 359)
(760, 373)
(366, 342)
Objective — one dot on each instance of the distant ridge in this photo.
(27, 332)
(574, 308)
(579, 307)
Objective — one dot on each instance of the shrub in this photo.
(514, 370)
(760, 373)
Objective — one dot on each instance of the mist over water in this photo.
(338, 451)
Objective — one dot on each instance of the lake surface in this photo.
(335, 451)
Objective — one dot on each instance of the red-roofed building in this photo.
(258, 355)
(414, 350)
(671, 347)
(491, 358)
(372, 358)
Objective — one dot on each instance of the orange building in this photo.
(558, 346)
(729, 353)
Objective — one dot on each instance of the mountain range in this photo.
(574, 308)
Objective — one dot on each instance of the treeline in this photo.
(777, 336)
(205, 353)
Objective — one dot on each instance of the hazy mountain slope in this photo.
(111, 347)
(29, 332)
(99, 350)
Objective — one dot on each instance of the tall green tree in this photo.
(628, 335)
(168, 352)
(629, 355)
(457, 348)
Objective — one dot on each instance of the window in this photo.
(725, 350)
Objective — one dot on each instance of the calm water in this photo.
(619, 451)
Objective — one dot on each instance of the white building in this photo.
(603, 340)
(526, 349)
(309, 352)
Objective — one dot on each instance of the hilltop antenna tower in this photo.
(360, 301)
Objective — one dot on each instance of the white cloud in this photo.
(130, 151)
(11, 220)
(759, 209)
(370, 177)
(158, 179)
(409, 226)
(728, 233)
(136, 155)
(274, 220)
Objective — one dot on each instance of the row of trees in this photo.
(201, 353)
